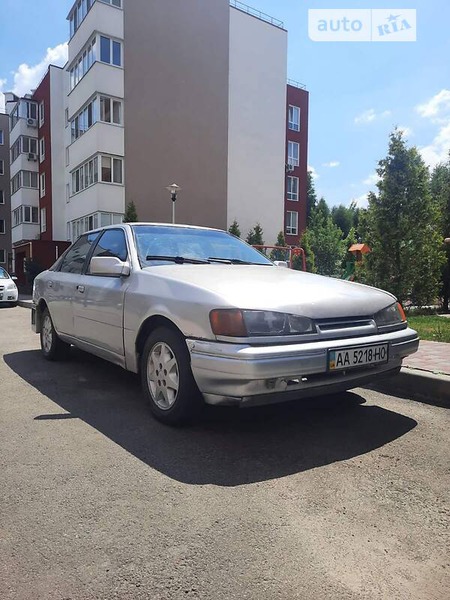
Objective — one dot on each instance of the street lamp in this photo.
(173, 189)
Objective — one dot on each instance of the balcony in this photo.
(254, 12)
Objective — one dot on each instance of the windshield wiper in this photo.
(179, 260)
(233, 261)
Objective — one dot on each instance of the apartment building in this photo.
(37, 177)
(5, 208)
(296, 161)
(191, 92)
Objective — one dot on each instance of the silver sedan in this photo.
(203, 317)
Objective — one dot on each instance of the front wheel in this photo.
(53, 348)
(167, 378)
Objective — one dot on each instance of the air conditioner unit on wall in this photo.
(32, 122)
(289, 168)
(32, 156)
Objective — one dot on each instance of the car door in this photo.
(99, 302)
(61, 284)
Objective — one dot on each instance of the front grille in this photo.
(346, 327)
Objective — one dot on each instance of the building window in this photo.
(41, 149)
(43, 220)
(42, 185)
(85, 176)
(83, 63)
(110, 51)
(2, 167)
(117, 3)
(41, 113)
(292, 188)
(2, 256)
(79, 13)
(2, 225)
(25, 179)
(2, 139)
(291, 223)
(25, 145)
(294, 118)
(25, 214)
(111, 171)
(110, 110)
(90, 222)
(294, 154)
(2, 196)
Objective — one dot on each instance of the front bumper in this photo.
(250, 375)
(7, 296)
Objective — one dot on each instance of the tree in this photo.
(440, 191)
(234, 229)
(130, 213)
(255, 236)
(403, 227)
(345, 217)
(323, 244)
(280, 254)
(311, 197)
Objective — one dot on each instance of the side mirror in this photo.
(280, 263)
(13, 277)
(109, 265)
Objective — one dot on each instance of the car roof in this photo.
(140, 224)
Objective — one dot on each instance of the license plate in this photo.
(348, 358)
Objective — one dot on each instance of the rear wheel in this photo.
(53, 348)
(167, 378)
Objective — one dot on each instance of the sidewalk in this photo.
(425, 375)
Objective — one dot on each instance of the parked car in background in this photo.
(8, 289)
(203, 317)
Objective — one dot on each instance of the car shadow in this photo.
(228, 446)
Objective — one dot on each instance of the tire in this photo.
(53, 348)
(167, 379)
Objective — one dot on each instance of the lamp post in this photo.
(173, 189)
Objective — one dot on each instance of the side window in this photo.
(73, 261)
(112, 243)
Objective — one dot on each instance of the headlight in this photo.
(11, 286)
(253, 323)
(392, 315)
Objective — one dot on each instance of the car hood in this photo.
(275, 288)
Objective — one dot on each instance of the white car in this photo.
(205, 317)
(9, 293)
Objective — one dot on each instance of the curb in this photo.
(424, 386)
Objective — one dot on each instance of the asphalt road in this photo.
(343, 499)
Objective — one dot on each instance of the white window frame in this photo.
(290, 195)
(291, 229)
(42, 185)
(112, 41)
(291, 155)
(42, 149)
(293, 124)
(113, 160)
(43, 220)
(41, 113)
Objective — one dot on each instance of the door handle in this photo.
(80, 288)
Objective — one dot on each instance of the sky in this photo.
(359, 91)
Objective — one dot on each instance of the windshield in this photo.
(3, 274)
(185, 244)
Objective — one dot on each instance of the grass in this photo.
(432, 328)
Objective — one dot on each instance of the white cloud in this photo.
(361, 201)
(438, 150)
(407, 131)
(436, 106)
(368, 116)
(26, 77)
(371, 179)
(313, 171)
(332, 164)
